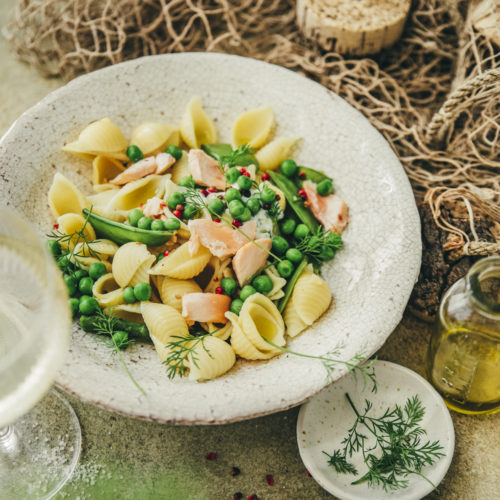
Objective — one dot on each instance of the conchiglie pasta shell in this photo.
(129, 312)
(163, 323)
(180, 264)
(180, 169)
(272, 154)
(127, 260)
(102, 198)
(86, 262)
(311, 297)
(172, 290)
(221, 332)
(294, 325)
(136, 192)
(71, 223)
(278, 284)
(107, 292)
(105, 169)
(196, 126)
(154, 137)
(210, 358)
(240, 343)
(142, 275)
(102, 249)
(102, 137)
(260, 319)
(65, 197)
(253, 127)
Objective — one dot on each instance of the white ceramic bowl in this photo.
(371, 278)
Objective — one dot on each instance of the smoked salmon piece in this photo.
(330, 210)
(251, 258)
(205, 170)
(147, 166)
(154, 207)
(205, 307)
(219, 238)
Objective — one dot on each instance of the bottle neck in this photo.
(483, 287)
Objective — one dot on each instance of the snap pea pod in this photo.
(312, 175)
(219, 151)
(291, 285)
(290, 191)
(135, 330)
(123, 233)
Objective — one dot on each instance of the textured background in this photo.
(126, 458)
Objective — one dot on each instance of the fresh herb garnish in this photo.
(320, 247)
(183, 347)
(395, 450)
(70, 259)
(105, 325)
(239, 157)
(331, 361)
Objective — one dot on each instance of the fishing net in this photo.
(435, 95)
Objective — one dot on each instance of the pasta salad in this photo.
(212, 251)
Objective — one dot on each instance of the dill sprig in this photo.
(194, 198)
(320, 246)
(183, 347)
(105, 325)
(238, 154)
(395, 450)
(331, 361)
(71, 241)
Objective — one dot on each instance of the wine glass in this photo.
(39, 449)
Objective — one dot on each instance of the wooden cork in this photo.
(353, 27)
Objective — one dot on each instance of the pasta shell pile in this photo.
(184, 274)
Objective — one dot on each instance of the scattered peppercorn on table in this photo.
(126, 458)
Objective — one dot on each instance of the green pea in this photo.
(157, 225)
(236, 208)
(81, 273)
(288, 226)
(253, 204)
(175, 151)
(186, 182)
(73, 306)
(244, 182)
(172, 224)
(279, 245)
(96, 270)
(128, 294)
(120, 339)
(232, 175)
(134, 153)
(301, 231)
(175, 199)
(54, 247)
(263, 284)
(245, 216)
(293, 255)
(134, 216)
(189, 212)
(88, 305)
(63, 261)
(232, 194)
(285, 268)
(85, 286)
(246, 291)
(326, 254)
(229, 286)
(70, 283)
(267, 195)
(142, 291)
(236, 306)
(325, 187)
(144, 223)
(288, 168)
(216, 206)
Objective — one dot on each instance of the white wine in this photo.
(34, 326)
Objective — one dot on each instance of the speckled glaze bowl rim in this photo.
(413, 258)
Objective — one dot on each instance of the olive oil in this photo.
(464, 366)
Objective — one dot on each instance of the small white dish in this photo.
(324, 421)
